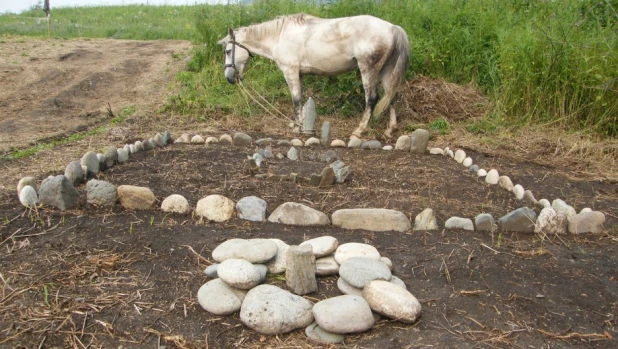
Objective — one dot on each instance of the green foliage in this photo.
(440, 125)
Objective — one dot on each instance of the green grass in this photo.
(550, 63)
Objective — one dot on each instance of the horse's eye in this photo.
(227, 52)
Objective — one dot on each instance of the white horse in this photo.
(302, 44)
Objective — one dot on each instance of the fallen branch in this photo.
(573, 335)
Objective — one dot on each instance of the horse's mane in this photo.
(274, 27)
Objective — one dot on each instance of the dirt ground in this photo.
(110, 278)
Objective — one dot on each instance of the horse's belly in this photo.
(328, 67)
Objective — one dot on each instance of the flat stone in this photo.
(328, 156)
(550, 222)
(101, 193)
(354, 143)
(135, 198)
(348, 289)
(317, 334)
(387, 147)
(397, 281)
(239, 273)
(436, 151)
(211, 272)
(123, 155)
(587, 222)
(251, 208)
(519, 191)
(373, 219)
(485, 222)
(25, 181)
(326, 266)
(359, 271)
(184, 138)
(28, 196)
(226, 139)
(373, 145)
(355, 249)
(218, 298)
(197, 139)
(419, 140)
(91, 161)
(322, 246)
(293, 213)
(325, 134)
(73, 172)
(343, 314)
(284, 143)
(392, 301)
(297, 142)
(175, 203)
(312, 141)
(459, 223)
(270, 310)
(460, 155)
(255, 251)
(59, 192)
(521, 220)
(277, 264)
(242, 139)
(505, 182)
(425, 220)
(264, 141)
(293, 154)
(216, 208)
(492, 177)
(337, 143)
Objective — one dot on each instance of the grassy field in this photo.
(549, 63)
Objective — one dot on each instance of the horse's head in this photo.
(236, 57)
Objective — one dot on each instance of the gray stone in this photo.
(28, 196)
(242, 139)
(167, 137)
(270, 310)
(317, 334)
(328, 156)
(219, 298)
(341, 171)
(251, 208)
(474, 168)
(300, 270)
(267, 152)
(284, 143)
(216, 208)
(348, 289)
(459, 223)
(419, 140)
(132, 149)
(135, 198)
(337, 143)
(102, 162)
(325, 134)
(293, 154)
(127, 147)
(158, 140)
(309, 117)
(550, 222)
(492, 177)
(521, 220)
(101, 193)
(397, 281)
(211, 271)
(359, 271)
(519, 191)
(277, 265)
(239, 273)
(294, 213)
(31, 181)
(264, 142)
(485, 222)
(403, 143)
(529, 197)
(322, 246)
(587, 222)
(373, 145)
(175, 203)
(506, 183)
(326, 266)
(425, 220)
(262, 270)
(562, 207)
(123, 155)
(373, 219)
(355, 249)
(139, 146)
(254, 250)
(392, 301)
(111, 157)
(343, 314)
(148, 145)
(460, 155)
(74, 172)
(354, 143)
(91, 161)
(258, 158)
(59, 192)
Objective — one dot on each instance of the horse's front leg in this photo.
(293, 78)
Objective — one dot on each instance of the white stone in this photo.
(492, 177)
(519, 191)
(343, 314)
(562, 207)
(252, 250)
(387, 147)
(460, 155)
(481, 173)
(392, 301)
(387, 261)
(251, 208)
(239, 273)
(277, 265)
(326, 266)
(403, 143)
(312, 141)
(337, 143)
(218, 298)
(550, 222)
(211, 140)
(31, 181)
(425, 220)
(226, 139)
(293, 213)
(123, 155)
(449, 153)
(467, 162)
(297, 142)
(544, 203)
(215, 208)
(373, 219)
(459, 223)
(292, 154)
(359, 271)
(322, 246)
(505, 182)
(587, 222)
(28, 196)
(436, 151)
(270, 310)
(354, 143)
(355, 249)
(197, 139)
(175, 203)
(348, 289)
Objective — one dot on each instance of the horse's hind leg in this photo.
(370, 85)
(295, 84)
(392, 124)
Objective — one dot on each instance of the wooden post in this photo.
(48, 26)
(300, 270)
(47, 9)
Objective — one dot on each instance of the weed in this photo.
(440, 125)
(46, 295)
(131, 228)
(151, 220)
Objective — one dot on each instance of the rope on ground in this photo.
(246, 92)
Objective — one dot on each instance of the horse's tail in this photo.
(394, 69)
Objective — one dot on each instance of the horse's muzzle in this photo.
(231, 80)
(230, 75)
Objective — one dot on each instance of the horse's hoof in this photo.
(291, 125)
(296, 129)
(387, 136)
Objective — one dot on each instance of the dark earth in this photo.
(110, 278)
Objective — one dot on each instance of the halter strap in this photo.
(234, 44)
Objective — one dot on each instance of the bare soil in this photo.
(108, 277)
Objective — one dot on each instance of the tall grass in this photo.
(550, 63)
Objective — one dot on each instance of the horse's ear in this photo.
(230, 32)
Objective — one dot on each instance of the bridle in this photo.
(234, 44)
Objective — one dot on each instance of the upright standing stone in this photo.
(300, 272)
(91, 161)
(309, 116)
(325, 134)
(74, 172)
(419, 140)
(59, 192)
(31, 181)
